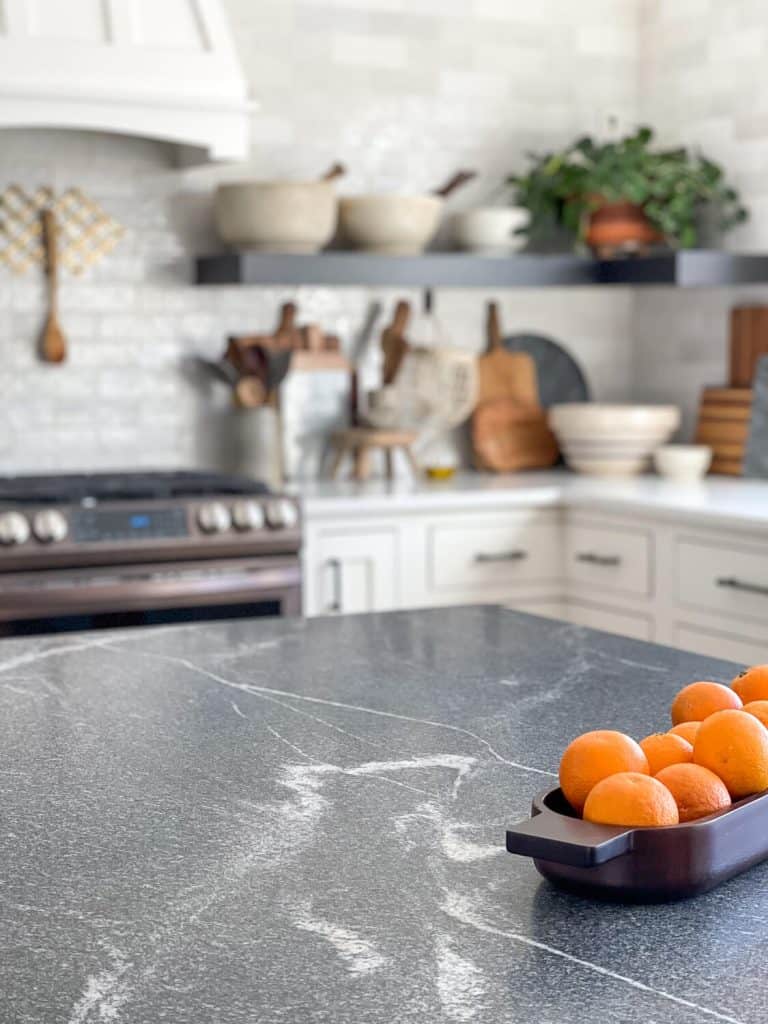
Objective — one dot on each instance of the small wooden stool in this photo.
(359, 442)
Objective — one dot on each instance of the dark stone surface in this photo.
(246, 823)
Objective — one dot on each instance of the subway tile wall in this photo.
(404, 91)
(702, 82)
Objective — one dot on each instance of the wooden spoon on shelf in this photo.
(53, 348)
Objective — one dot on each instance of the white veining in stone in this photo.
(103, 993)
(357, 954)
(460, 983)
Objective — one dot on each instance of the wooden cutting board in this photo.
(509, 435)
(503, 374)
(749, 341)
(724, 416)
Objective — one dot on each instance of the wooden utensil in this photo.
(393, 343)
(509, 435)
(250, 393)
(724, 415)
(335, 171)
(749, 341)
(454, 182)
(53, 348)
(503, 374)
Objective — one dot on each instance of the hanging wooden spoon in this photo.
(53, 348)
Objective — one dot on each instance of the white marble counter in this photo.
(716, 501)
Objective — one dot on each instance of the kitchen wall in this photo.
(702, 82)
(404, 91)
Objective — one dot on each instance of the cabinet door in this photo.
(610, 620)
(354, 572)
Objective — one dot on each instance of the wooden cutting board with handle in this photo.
(503, 374)
(510, 435)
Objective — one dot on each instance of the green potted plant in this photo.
(625, 196)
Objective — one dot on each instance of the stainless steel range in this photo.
(116, 549)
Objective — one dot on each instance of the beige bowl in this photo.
(396, 225)
(280, 216)
(615, 440)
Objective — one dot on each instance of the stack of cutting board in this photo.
(724, 416)
(725, 413)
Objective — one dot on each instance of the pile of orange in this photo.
(716, 752)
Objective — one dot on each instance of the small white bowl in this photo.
(490, 230)
(683, 462)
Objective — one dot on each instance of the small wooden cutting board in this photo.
(503, 374)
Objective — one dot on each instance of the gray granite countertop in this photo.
(303, 821)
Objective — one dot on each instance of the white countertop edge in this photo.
(716, 501)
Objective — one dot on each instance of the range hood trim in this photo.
(196, 100)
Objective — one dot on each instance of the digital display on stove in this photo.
(91, 525)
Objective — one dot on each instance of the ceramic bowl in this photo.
(489, 230)
(614, 440)
(278, 216)
(684, 462)
(391, 224)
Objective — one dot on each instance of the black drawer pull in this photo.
(335, 566)
(733, 584)
(591, 558)
(501, 556)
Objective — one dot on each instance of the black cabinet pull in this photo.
(734, 584)
(501, 556)
(335, 567)
(591, 558)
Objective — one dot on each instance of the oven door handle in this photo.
(149, 587)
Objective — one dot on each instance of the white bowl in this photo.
(396, 225)
(279, 216)
(683, 462)
(490, 230)
(614, 440)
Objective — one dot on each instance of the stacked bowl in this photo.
(611, 440)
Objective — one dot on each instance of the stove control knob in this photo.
(14, 529)
(213, 517)
(50, 526)
(248, 515)
(281, 514)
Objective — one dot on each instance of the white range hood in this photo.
(162, 69)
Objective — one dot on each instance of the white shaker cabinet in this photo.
(349, 570)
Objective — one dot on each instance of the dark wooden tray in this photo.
(641, 864)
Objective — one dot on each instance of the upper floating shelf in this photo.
(689, 268)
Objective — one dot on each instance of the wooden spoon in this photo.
(337, 170)
(54, 345)
(454, 182)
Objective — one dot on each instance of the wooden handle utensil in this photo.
(455, 181)
(53, 348)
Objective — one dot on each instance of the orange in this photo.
(687, 730)
(758, 708)
(631, 798)
(752, 684)
(734, 745)
(698, 701)
(662, 748)
(697, 790)
(594, 756)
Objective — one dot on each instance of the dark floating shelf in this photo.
(689, 268)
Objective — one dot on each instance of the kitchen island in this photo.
(303, 821)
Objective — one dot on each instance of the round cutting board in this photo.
(560, 377)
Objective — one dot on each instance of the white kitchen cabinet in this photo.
(610, 620)
(352, 571)
(619, 569)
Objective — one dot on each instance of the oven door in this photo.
(51, 601)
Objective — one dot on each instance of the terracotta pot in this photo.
(620, 227)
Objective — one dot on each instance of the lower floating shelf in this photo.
(688, 268)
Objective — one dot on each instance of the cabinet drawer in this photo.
(485, 553)
(729, 580)
(610, 621)
(609, 558)
(731, 647)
